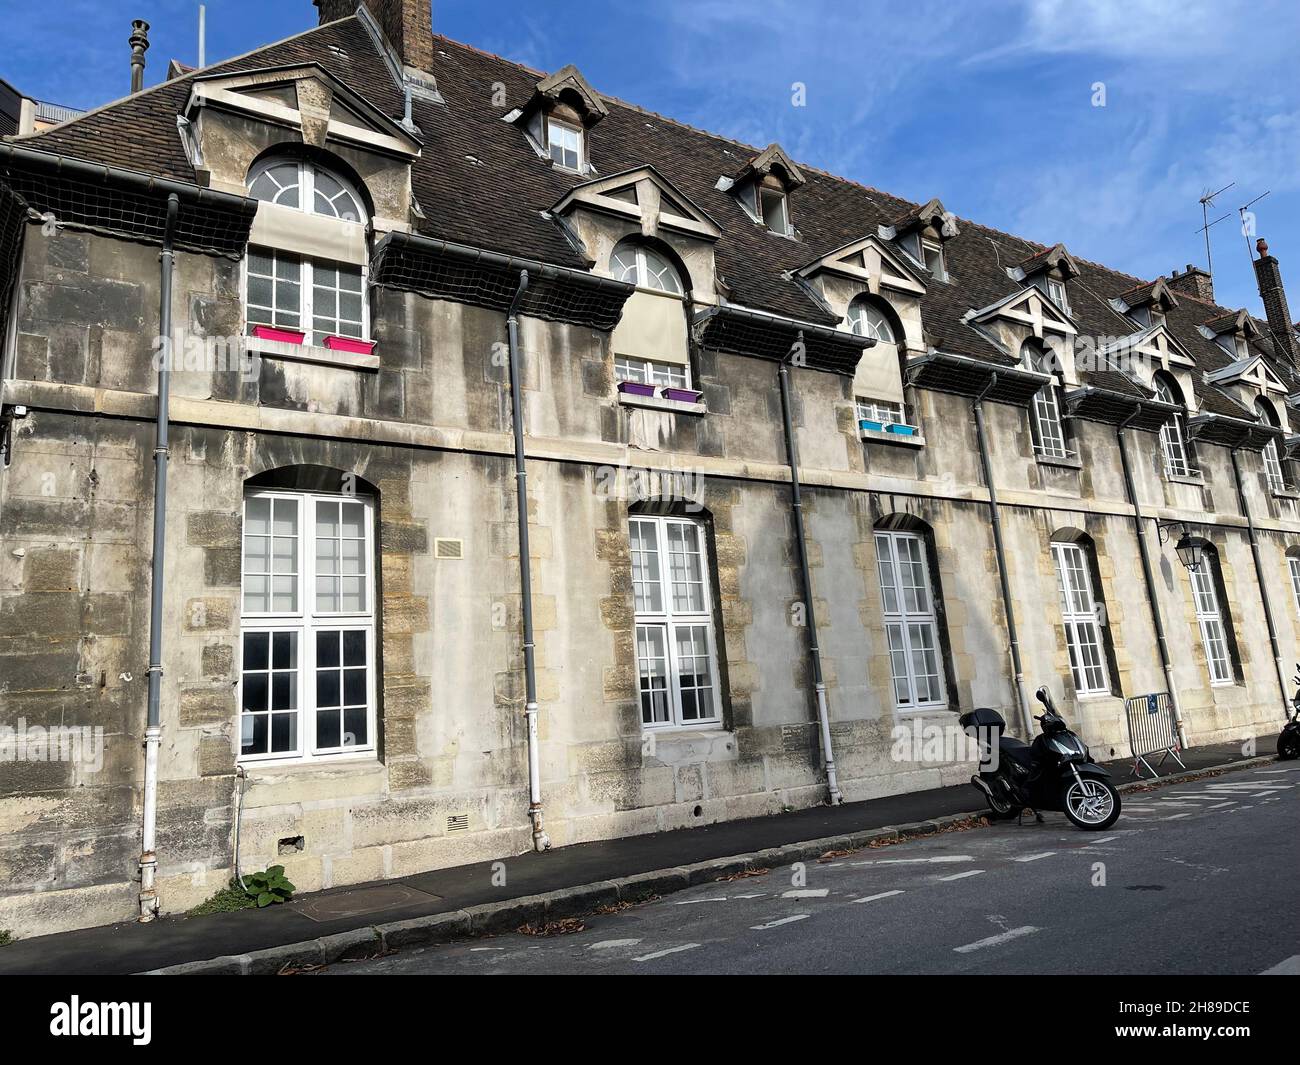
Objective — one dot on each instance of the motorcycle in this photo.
(1056, 772)
(1288, 743)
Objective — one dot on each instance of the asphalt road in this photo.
(1194, 878)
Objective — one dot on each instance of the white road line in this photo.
(692, 902)
(1220, 806)
(665, 953)
(1034, 857)
(756, 895)
(1290, 967)
(1174, 817)
(1104, 839)
(777, 924)
(606, 944)
(882, 895)
(960, 876)
(474, 950)
(807, 893)
(994, 941)
(938, 860)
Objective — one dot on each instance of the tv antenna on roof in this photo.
(1248, 225)
(1205, 202)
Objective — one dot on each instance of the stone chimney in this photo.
(1269, 278)
(408, 25)
(1193, 282)
(139, 42)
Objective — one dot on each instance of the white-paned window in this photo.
(675, 648)
(306, 187)
(307, 655)
(649, 372)
(1273, 468)
(1210, 619)
(1057, 291)
(932, 257)
(1173, 434)
(1083, 635)
(1048, 427)
(911, 627)
(867, 320)
(879, 410)
(776, 215)
(565, 144)
(320, 298)
(1293, 567)
(645, 268)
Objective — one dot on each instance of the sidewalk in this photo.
(132, 947)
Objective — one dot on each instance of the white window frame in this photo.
(868, 320)
(1084, 631)
(669, 621)
(774, 196)
(306, 282)
(1293, 567)
(1273, 468)
(308, 623)
(1049, 426)
(307, 174)
(879, 410)
(1209, 616)
(1058, 293)
(651, 372)
(903, 623)
(649, 269)
(565, 138)
(1173, 436)
(928, 247)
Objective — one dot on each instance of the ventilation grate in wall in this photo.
(458, 823)
(444, 547)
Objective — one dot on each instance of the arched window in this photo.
(307, 629)
(1217, 636)
(868, 320)
(1265, 414)
(304, 185)
(644, 267)
(1082, 612)
(1173, 434)
(1045, 410)
(676, 647)
(912, 624)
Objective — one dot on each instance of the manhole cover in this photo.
(342, 904)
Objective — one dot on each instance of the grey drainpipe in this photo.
(796, 506)
(1139, 526)
(1259, 575)
(977, 405)
(541, 841)
(161, 452)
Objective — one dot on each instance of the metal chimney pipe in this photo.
(139, 42)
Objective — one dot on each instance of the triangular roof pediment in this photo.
(1253, 371)
(872, 261)
(568, 81)
(771, 158)
(646, 195)
(1029, 305)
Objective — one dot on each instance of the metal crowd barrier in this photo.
(1152, 729)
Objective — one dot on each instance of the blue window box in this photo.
(867, 423)
(901, 430)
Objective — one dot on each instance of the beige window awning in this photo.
(311, 235)
(878, 375)
(653, 327)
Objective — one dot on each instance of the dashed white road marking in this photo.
(755, 895)
(1290, 967)
(665, 953)
(882, 895)
(1175, 817)
(807, 893)
(993, 941)
(940, 859)
(692, 902)
(475, 950)
(1220, 806)
(1033, 857)
(781, 921)
(608, 944)
(1105, 839)
(961, 876)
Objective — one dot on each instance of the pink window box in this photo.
(285, 336)
(357, 347)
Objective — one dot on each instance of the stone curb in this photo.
(505, 916)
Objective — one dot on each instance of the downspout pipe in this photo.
(977, 405)
(814, 650)
(1148, 576)
(161, 453)
(1259, 575)
(541, 841)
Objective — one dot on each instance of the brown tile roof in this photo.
(479, 183)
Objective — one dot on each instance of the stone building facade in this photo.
(342, 667)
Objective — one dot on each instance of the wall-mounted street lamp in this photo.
(1190, 541)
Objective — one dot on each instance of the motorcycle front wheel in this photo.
(1090, 803)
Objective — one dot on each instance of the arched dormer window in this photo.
(305, 275)
(868, 320)
(878, 384)
(650, 344)
(1050, 439)
(1267, 415)
(1173, 434)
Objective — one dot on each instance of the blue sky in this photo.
(988, 106)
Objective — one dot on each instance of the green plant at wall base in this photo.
(6, 937)
(230, 898)
(269, 887)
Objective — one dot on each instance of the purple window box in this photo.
(682, 395)
(636, 388)
(357, 347)
(285, 336)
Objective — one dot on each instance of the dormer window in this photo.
(645, 268)
(1056, 290)
(932, 258)
(564, 142)
(306, 187)
(1156, 318)
(775, 212)
(1234, 345)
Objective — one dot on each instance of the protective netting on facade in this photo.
(13, 217)
(442, 271)
(105, 201)
(740, 332)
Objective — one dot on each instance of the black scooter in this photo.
(1055, 773)
(1288, 743)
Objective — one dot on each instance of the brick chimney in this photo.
(408, 25)
(1193, 282)
(1269, 277)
